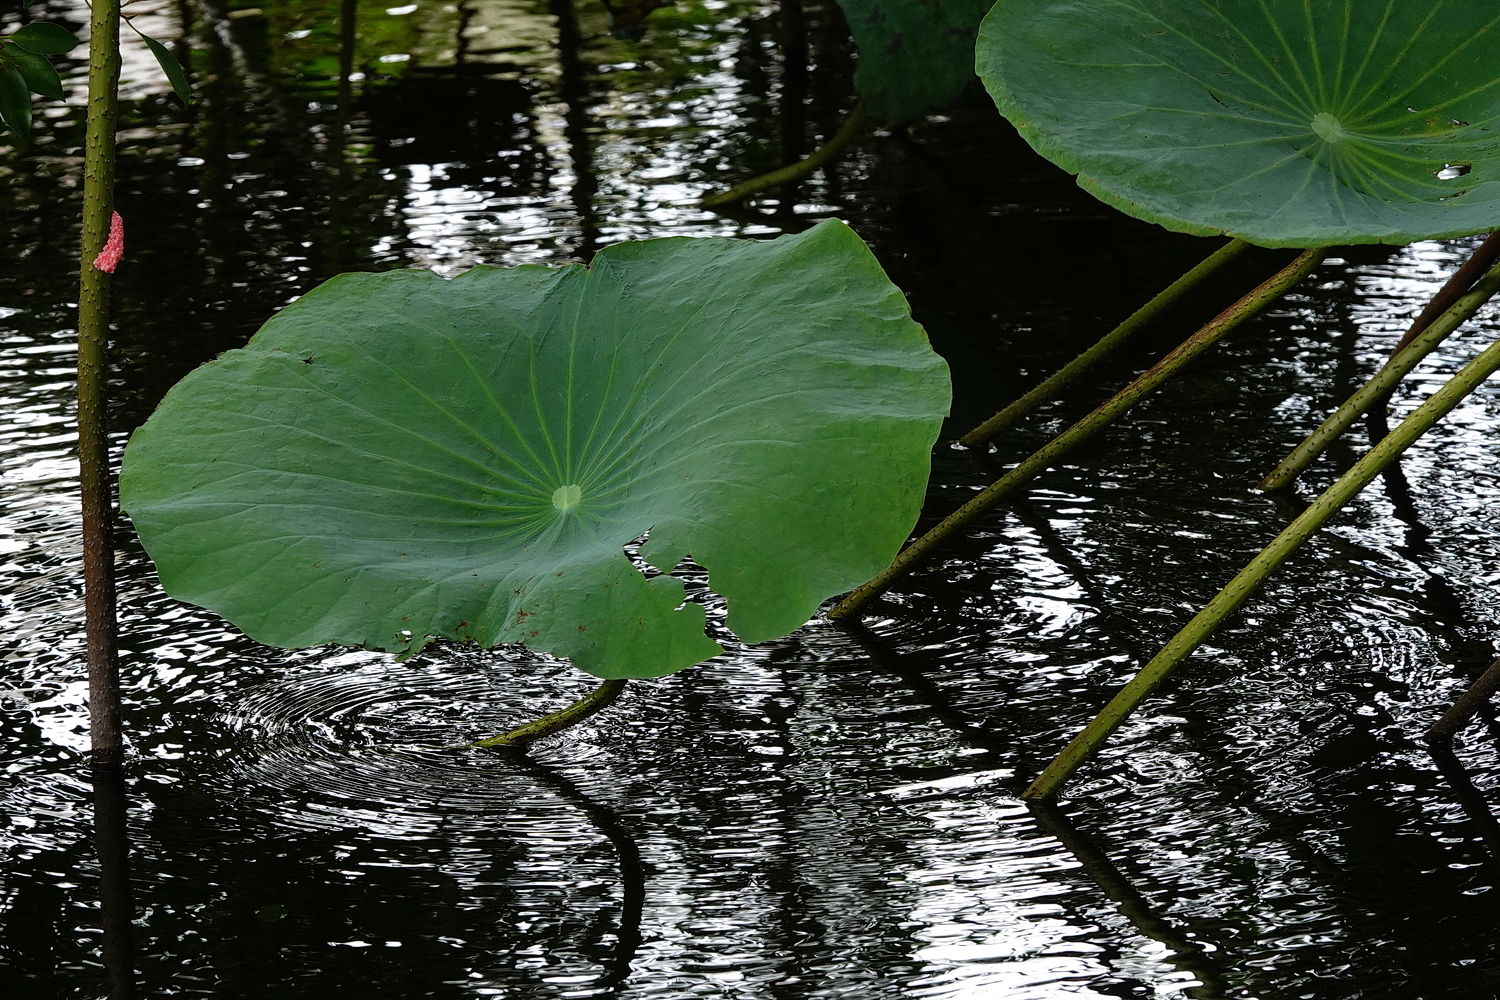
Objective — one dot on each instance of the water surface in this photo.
(830, 815)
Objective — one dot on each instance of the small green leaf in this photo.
(15, 101)
(172, 68)
(44, 37)
(40, 75)
(395, 457)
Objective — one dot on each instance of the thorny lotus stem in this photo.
(105, 727)
(600, 698)
(1211, 333)
(1238, 590)
(1378, 389)
(1138, 319)
(858, 118)
(93, 334)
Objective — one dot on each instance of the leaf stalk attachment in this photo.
(1164, 300)
(1210, 334)
(1249, 579)
(596, 700)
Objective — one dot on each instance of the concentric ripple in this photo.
(378, 743)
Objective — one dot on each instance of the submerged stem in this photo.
(1211, 333)
(1377, 391)
(795, 171)
(1249, 579)
(1138, 319)
(600, 698)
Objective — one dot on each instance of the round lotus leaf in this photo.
(397, 456)
(1284, 122)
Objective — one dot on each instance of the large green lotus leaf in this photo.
(396, 457)
(1285, 122)
(914, 55)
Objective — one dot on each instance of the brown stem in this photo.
(93, 368)
(1468, 703)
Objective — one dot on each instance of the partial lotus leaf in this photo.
(914, 55)
(1284, 122)
(396, 457)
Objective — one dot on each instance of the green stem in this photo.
(1211, 333)
(1245, 583)
(93, 367)
(1378, 389)
(1142, 316)
(600, 698)
(796, 171)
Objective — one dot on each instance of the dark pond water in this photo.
(831, 815)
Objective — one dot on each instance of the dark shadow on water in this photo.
(632, 869)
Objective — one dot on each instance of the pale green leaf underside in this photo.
(1285, 122)
(396, 456)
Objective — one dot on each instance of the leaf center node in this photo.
(567, 497)
(1328, 128)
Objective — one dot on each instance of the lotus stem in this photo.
(93, 367)
(858, 118)
(1465, 708)
(1211, 333)
(600, 698)
(1379, 387)
(1138, 319)
(1483, 257)
(1245, 583)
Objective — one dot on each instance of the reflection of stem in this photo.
(115, 909)
(1187, 954)
(338, 206)
(1380, 385)
(1249, 579)
(600, 698)
(792, 116)
(632, 870)
(888, 659)
(1470, 799)
(1142, 316)
(573, 89)
(786, 175)
(1211, 333)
